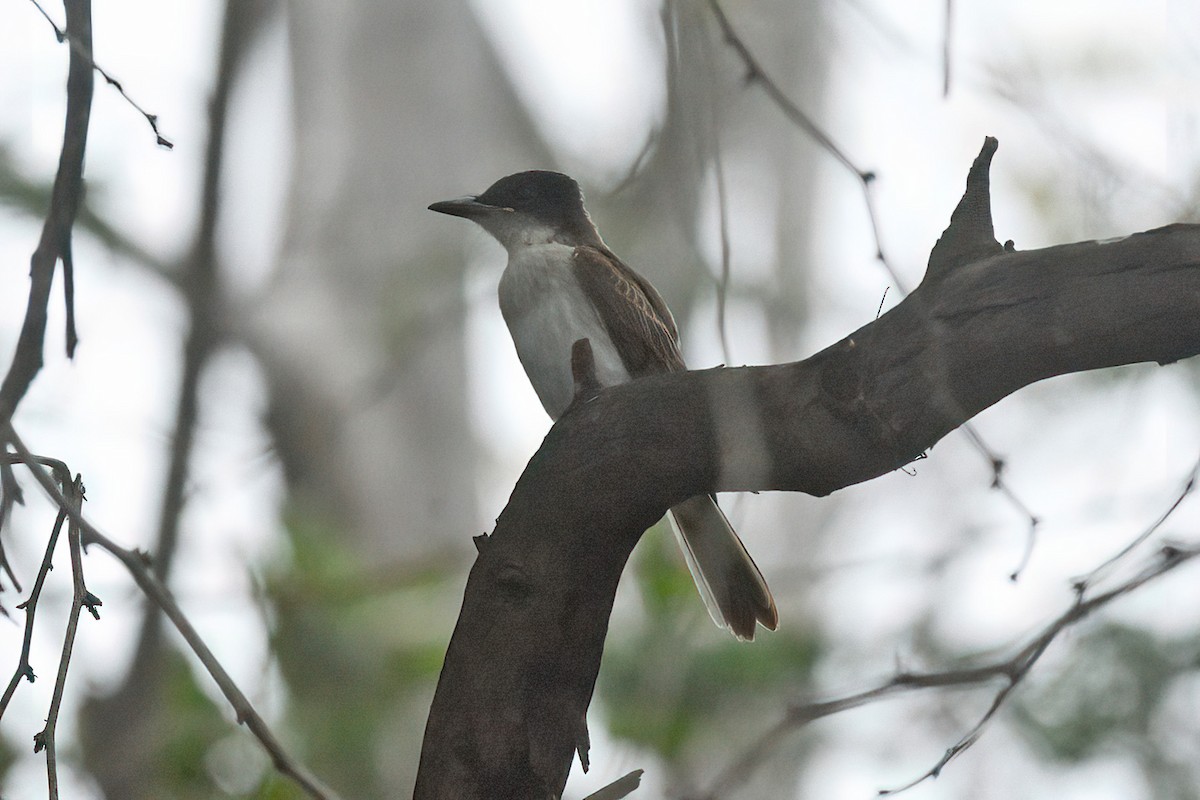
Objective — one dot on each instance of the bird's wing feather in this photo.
(636, 317)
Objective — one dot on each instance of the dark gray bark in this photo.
(510, 708)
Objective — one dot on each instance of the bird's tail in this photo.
(733, 589)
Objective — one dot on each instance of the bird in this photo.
(562, 283)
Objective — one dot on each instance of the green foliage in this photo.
(360, 646)
(176, 750)
(196, 724)
(8, 756)
(277, 787)
(674, 680)
(1110, 693)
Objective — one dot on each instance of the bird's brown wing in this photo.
(637, 319)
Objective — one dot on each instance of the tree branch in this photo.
(24, 666)
(10, 495)
(1015, 669)
(115, 722)
(55, 242)
(511, 702)
(82, 598)
(140, 568)
(1084, 582)
(85, 51)
(755, 74)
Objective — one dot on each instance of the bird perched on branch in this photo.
(562, 284)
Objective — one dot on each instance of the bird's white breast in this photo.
(547, 311)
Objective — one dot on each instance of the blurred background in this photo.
(294, 386)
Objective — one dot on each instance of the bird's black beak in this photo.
(467, 207)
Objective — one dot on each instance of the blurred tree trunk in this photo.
(145, 739)
(363, 330)
(363, 340)
(665, 227)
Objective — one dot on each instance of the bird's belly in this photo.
(547, 312)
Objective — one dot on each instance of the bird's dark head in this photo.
(531, 207)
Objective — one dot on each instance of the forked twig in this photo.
(1011, 671)
(82, 598)
(140, 568)
(1169, 557)
(24, 665)
(755, 74)
(10, 495)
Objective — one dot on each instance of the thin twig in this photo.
(636, 167)
(82, 597)
(1001, 485)
(722, 218)
(201, 277)
(202, 295)
(64, 204)
(10, 495)
(1011, 670)
(882, 300)
(24, 666)
(85, 50)
(755, 74)
(1169, 557)
(1082, 583)
(866, 179)
(139, 566)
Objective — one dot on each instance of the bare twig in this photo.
(866, 179)
(24, 666)
(84, 49)
(55, 242)
(201, 278)
(55, 245)
(755, 74)
(10, 495)
(139, 566)
(1169, 557)
(1011, 671)
(82, 598)
(201, 291)
(999, 484)
(1082, 583)
(638, 162)
(723, 217)
(714, 148)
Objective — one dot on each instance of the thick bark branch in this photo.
(511, 702)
